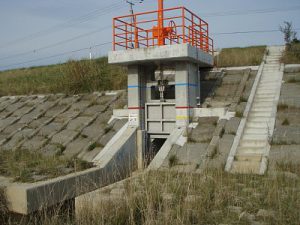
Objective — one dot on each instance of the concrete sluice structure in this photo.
(164, 96)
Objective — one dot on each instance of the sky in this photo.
(42, 32)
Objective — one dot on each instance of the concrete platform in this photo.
(178, 52)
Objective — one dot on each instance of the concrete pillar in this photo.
(186, 92)
(136, 95)
(141, 148)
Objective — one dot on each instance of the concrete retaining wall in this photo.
(114, 165)
(163, 153)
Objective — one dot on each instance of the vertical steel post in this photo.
(160, 20)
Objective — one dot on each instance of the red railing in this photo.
(180, 25)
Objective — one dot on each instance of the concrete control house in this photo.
(164, 51)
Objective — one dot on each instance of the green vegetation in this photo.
(72, 77)
(94, 145)
(292, 54)
(249, 56)
(26, 166)
(239, 114)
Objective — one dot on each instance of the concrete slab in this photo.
(64, 137)
(76, 147)
(55, 110)
(79, 123)
(5, 122)
(13, 128)
(179, 52)
(35, 143)
(34, 124)
(50, 129)
(91, 111)
(93, 131)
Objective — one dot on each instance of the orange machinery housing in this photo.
(161, 27)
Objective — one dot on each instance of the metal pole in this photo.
(131, 4)
(161, 40)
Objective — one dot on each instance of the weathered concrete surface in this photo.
(233, 88)
(179, 52)
(39, 123)
(292, 68)
(285, 145)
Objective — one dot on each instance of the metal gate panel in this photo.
(160, 118)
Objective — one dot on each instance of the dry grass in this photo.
(173, 198)
(158, 198)
(250, 56)
(23, 165)
(3, 206)
(292, 54)
(73, 77)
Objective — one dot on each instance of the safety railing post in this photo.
(183, 25)
(126, 36)
(114, 35)
(136, 33)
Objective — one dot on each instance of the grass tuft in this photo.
(285, 122)
(173, 160)
(281, 107)
(94, 145)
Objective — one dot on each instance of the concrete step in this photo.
(252, 149)
(248, 157)
(261, 96)
(255, 137)
(269, 84)
(261, 130)
(266, 88)
(256, 125)
(260, 114)
(258, 103)
(264, 91)
(262, 109)
(264, 98)
(262, 119)
(262, 104)
(253, 144)
(267, 101)
(269, 80)
(245, 167)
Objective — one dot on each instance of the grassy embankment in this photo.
(97, 75)
(72, 77)
(292, 54)
(249, 56)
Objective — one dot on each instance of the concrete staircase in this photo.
(253, 148)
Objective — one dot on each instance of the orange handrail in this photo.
(148, 29)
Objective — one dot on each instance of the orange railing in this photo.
(180, 25)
